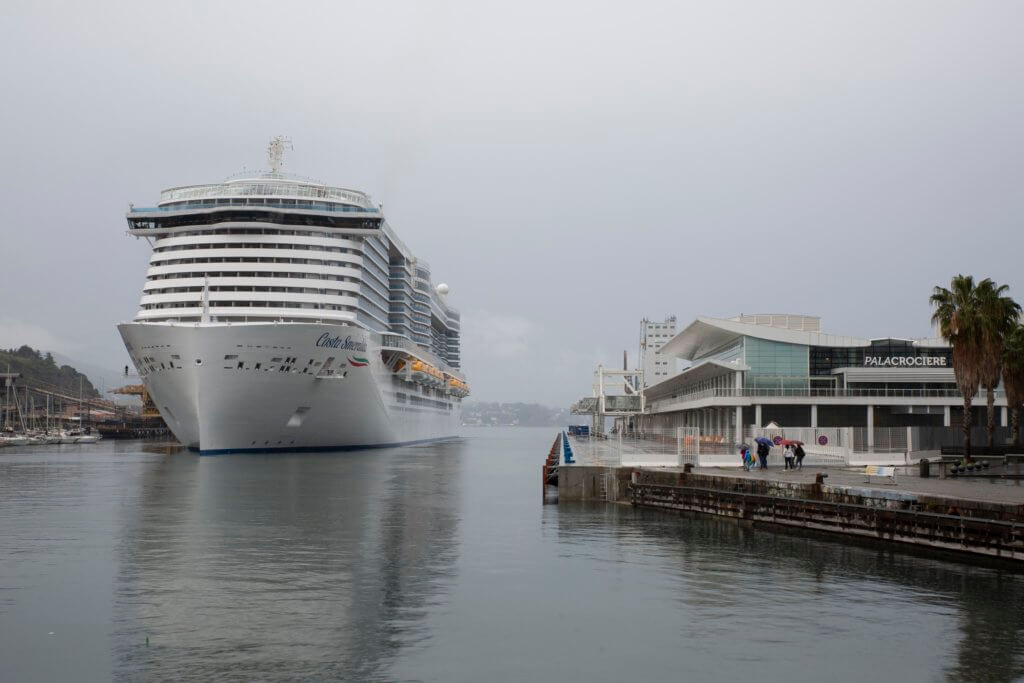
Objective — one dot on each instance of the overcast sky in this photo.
(567, 168)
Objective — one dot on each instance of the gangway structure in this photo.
(616, 393)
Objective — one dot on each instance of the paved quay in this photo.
(607, 453)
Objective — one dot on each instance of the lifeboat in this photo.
(424, 373)
(457, 387)
(420, 372)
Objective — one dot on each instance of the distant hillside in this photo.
(41, 369)
(514, 414)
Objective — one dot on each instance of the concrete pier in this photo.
(983, 517)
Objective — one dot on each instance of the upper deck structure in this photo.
(276, 247)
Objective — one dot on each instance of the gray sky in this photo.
(566, 167)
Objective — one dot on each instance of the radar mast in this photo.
(275, 153)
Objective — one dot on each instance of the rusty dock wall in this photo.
(978, 527)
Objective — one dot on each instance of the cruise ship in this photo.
(281, 314)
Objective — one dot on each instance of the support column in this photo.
(739, 423)
(814, 415)
(1002, 417)
(757, 415)
(871, 428)
(947, 418)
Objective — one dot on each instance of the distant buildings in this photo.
(654, 335)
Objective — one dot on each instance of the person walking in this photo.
(799, 453)
(762, 454)
(788, 455)
(745, 457)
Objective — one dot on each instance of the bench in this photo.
(879, 471)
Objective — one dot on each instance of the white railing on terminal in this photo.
(810, 392)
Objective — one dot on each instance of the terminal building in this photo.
(753, 370)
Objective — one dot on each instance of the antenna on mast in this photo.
(275, 152)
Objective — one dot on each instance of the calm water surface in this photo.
(439, 563)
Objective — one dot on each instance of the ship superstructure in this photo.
(282, 313)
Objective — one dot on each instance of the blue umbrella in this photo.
(765, 440)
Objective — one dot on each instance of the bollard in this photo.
(687, 467)
(925, 468)
(820, 478)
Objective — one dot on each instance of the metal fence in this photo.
(934, 438)
(880, 439)
(652, 447)
(823, 446)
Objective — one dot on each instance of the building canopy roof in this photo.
(706, 335)
(697, 373)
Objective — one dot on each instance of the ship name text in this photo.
(347, 343)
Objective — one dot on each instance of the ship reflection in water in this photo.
(315, 565)
(439, 563)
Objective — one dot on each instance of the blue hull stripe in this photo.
(320, 449)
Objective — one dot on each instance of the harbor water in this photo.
(439, 563)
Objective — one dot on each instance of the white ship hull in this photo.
(263, 387)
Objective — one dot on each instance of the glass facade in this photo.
(730, 353)
(824, 359)
(775, 364)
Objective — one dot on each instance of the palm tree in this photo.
(999, 317)
(959, 318)
(1013, 377)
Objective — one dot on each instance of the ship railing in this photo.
(299, 206)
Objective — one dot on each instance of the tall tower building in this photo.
(653, 336)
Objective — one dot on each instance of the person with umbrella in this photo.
(798, 450)
(794, 453)
(764, 446)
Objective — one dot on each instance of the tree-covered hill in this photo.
(517, 414)
(40, 369)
